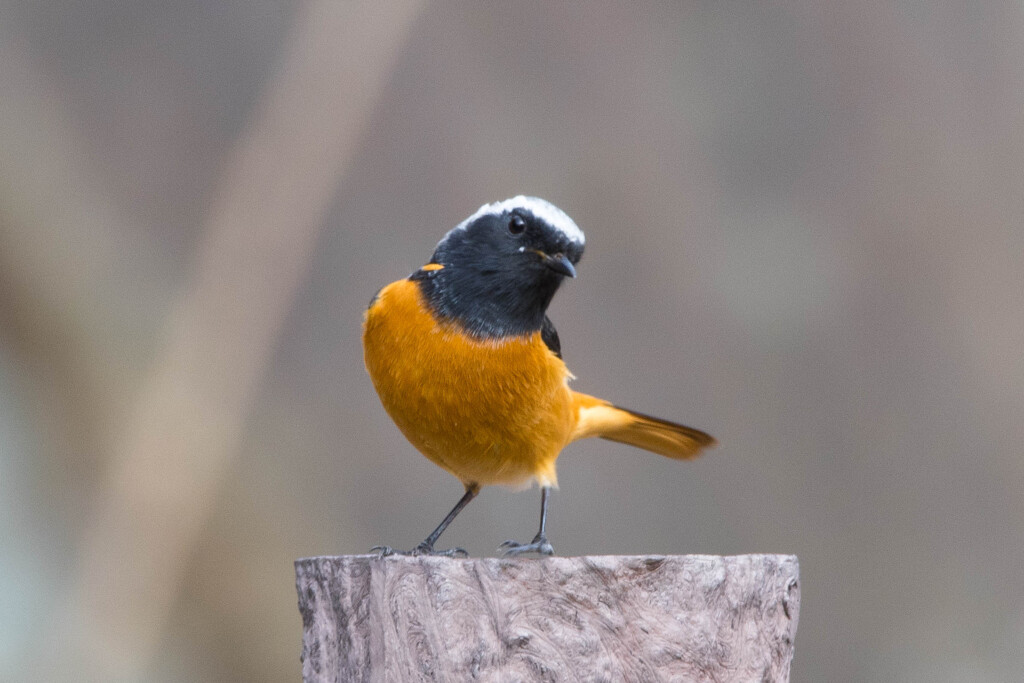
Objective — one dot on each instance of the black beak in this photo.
(559, 263)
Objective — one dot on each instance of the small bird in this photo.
(468, 365)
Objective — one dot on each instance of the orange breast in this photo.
(488, 411)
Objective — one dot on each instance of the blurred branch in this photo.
(59, 254)
(189, 414)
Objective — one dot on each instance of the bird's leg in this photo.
(539, 544)
(427, 546)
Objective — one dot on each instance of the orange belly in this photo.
(488, 411)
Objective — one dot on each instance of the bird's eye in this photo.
(516, 224)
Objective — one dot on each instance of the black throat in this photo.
(489, 304)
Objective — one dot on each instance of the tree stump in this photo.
(612, 618)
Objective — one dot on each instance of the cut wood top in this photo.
(690, 617)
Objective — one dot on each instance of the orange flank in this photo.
(492, 411)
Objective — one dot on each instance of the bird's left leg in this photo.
(539, 544)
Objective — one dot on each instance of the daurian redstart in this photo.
(468, 365)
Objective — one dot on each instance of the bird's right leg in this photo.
(427, 546)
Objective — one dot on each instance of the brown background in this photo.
(804, 235)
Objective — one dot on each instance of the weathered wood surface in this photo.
(654, 618)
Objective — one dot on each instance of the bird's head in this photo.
(502, 265)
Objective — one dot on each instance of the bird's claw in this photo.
(419, 551)
(538, 545)
(451, 552)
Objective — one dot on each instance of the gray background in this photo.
(804, 235)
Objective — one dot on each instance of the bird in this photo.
(469, 367)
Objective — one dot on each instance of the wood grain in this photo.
(612, 618)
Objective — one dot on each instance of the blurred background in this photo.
(804, 235)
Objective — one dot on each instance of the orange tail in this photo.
(600, 418)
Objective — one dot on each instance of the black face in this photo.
(501, 270)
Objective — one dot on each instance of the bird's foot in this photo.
(423, 549)
(538, 545)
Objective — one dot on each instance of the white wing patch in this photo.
(541, 208)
